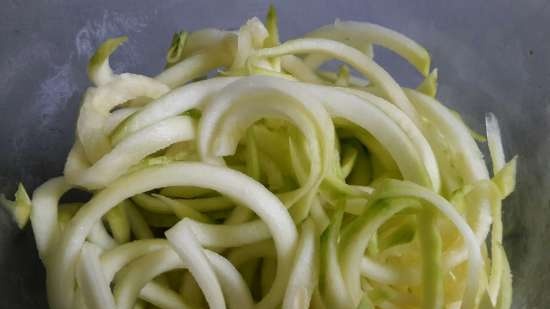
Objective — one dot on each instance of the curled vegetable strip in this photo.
(45, 201)
(251, 37)
(300, 70)
(172, 104)
(206, 38)
(226, 181)
(428, 169)
(495, 142)
(113, 260)
(91, 280)
(387, 274)
(98, 102)
(233, 285)
(197, 54)
(20, 208)
(396, 188)
(175, 53)
(465, 155)
(243, 254)
(283, 186)
(355, 240)
(234, 235)
(164, 259)
(356, 33)
(353, 57)
(141, 271)
(332, 283)
(100, 237)
(117, 117)
(129, 152)
(370, 118)
(498, 256)
(99, 70)
(193, 67)
(186, 245)
(304, 276)
(118, 223)
(161, 297)
(470, 161)
(422, 146)
(312, 120)
(429, 84)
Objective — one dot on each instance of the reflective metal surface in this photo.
(492, 56)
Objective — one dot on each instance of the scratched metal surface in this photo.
(492, 56)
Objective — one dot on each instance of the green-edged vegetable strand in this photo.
(248, 175)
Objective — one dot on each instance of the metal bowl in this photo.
(492, 56)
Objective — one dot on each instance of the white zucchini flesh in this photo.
(273, 182)
(242, 189)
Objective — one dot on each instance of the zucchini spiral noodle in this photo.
(247, 175)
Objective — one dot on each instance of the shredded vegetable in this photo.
(247, 176)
